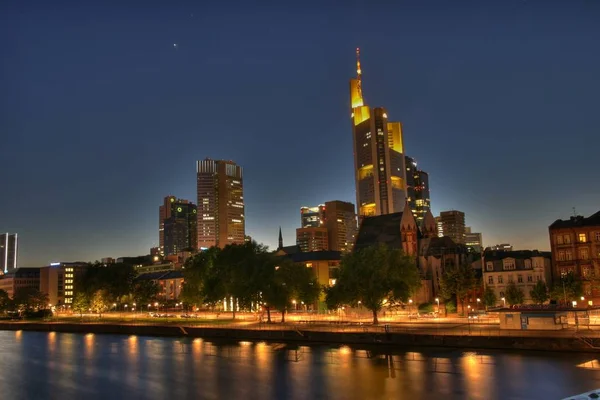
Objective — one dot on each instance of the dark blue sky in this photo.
(101, 117)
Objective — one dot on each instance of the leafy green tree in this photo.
(374, 275)
(539, 293)
(99, 302)
(81, 303)
(197, 272)
(30, 299)
(144, 292)
(514, 295)
(116, 280)
(567, 289)
(285, 282)
(489, 297)
(458, 281)
(4, 300)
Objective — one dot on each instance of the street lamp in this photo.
(504, 300)
(294, 303)
(478, 301)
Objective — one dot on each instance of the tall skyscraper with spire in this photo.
(379, 168)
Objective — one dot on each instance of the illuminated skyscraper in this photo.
(221, 219)
(453, 225)
(417, 188)
(8, 252)
(378, 155)
(177, 226)
(339, 220)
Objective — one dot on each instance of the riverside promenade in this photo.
(443, 332)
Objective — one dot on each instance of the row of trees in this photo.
(24, 299)
(104, 285)
(460, 282)
(251, 276)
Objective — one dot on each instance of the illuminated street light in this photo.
(504, 300)
(574, 303)
(582, 298)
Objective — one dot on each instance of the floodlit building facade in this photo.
(8, 252)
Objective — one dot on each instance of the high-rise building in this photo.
(440, 226)
(417, 190)
(221, 218)
(342, 228)
(8, 252)
(379, 168)
(473, 240)
(312, 216)
(453, 225)
(312, 239)
(178, 226)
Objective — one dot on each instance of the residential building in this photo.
(473, 240)
(9, 245)
(500, 247)
(312, 217)
(379, 169)
(417, 190)
(20, 278)
(524, 268)
(59, 280)
(178, 226)
(575, 246)
(453, 225)
(220, 189)
(312, 239)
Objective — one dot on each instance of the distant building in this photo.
(221, 217)
(379, 170)
(20, 278)
(473, 240)
(439, 226)
(524, 268)
(177, 226)
(59, 281)
(453, 225)
(417, 190)
(9, 245)
(337, 217)
(169, 282)
(500, 247)
(312, 239)
(107, 260)
(575, 245)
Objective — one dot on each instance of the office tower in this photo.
(453, 224)
(473, 240)
(342, 228)
(221, 219)
(379, 169)
(312, 239)
(312, 216)
(178, 226)
(417, 190)
(8, 252)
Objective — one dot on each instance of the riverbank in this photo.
(574, 343)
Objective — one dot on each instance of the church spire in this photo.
(280, 240)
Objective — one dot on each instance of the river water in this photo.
(40, 365)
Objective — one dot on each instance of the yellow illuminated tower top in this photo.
(356, 84)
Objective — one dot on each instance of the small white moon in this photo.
(175, 45)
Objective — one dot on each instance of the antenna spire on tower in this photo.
(358, 70)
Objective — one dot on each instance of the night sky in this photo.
(101, 116)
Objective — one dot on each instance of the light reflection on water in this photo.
(60, 365)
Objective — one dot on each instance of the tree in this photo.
(198, 270)
(374, 275)
(489, 297)
(514, 295)
(458, 281)
(284, 282)
(116, 280)
(81, 303)
(539, 293)
(30, 299)
(144, 292)
(4, 300)
(99, 302)
(569, 288)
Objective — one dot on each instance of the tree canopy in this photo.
(489, 297)
(513, 294)
(539, 293)
(374, 276)
(458, 281)
(567, 289)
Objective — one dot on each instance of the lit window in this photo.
(582, 237)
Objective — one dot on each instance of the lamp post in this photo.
(478, 301)
(504, 300)
(294, 303)
(437, 300)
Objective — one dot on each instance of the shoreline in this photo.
(403, 339)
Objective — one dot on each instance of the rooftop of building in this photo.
(492, 255)
(577, 221)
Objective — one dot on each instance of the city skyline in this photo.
(85, 126)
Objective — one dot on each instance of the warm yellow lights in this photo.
(397, 182)
(365, 172)
(395, 136)
(367, 209)
(361, 113)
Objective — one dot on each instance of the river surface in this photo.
(41, 365)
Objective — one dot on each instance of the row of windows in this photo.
(580, 237)
(500, 279)
(583, 254)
